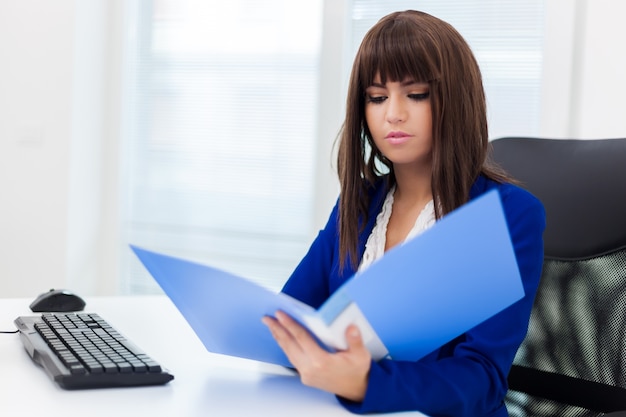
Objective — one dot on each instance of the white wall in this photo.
(599, 108)
(584, 66)
(59, 123)
(53, 113)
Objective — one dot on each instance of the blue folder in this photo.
(416, 298)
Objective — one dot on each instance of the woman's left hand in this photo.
(343, 373)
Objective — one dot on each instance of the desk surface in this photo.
(205, 384)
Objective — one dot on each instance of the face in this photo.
(399, 117)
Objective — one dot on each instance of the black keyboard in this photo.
(81, 350)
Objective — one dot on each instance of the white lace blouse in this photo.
(375, 245)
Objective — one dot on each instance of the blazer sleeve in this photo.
(309, 282)
(468, 376)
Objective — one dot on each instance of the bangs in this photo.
(398, 50)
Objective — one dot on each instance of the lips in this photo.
(397, 137)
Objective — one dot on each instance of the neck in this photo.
(413, 185)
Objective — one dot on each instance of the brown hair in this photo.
(417, 46)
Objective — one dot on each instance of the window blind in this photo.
(221, 134)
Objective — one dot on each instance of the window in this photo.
(222, 116)
(221, 134)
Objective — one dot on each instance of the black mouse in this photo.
(57, 301)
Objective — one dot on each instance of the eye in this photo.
(376, 99)
(420, 96)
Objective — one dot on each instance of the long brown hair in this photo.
(417, 46)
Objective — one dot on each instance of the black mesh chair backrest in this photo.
(573, 360)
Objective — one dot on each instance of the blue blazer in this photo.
(467, 376)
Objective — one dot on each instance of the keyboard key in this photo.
(93, 352)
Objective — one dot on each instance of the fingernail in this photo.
(354, 332)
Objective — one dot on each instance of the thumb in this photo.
(353, 337)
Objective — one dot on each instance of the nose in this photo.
(396, 109)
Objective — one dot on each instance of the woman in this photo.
(413, 148)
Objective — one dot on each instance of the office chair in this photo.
(573, 360)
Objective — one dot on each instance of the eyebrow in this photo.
(406, 83)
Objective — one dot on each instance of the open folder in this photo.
(416, 298)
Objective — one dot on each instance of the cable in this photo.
(8, 332)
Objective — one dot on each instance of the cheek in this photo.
(371, 118)
(426, 123)
(428, 127)
(368, 116)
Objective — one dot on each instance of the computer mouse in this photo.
(57, 301)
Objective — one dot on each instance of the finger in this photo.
(283, 336)
(285, 340)
(279, 332)
(353, 338)
(300, 334)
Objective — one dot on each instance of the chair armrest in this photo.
(568, 390)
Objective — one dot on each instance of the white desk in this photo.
(205, 384)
